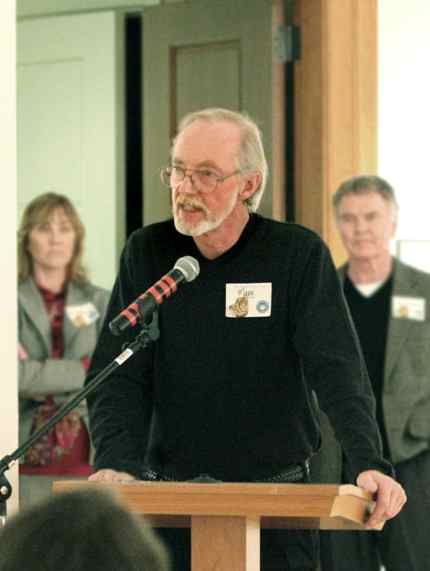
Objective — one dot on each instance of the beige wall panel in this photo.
(197, 73)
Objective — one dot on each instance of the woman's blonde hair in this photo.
(38, 211)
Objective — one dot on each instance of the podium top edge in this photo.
(252, 488)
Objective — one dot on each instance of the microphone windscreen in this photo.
(189, 267)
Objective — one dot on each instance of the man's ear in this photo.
(394, 223)
(251, 183)
(394, 228)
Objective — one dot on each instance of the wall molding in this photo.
(44, 8)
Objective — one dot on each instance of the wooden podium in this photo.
(226, 519)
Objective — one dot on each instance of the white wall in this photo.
(70, 126)
(8, 335)
(404, 118)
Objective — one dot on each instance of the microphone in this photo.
(186, 269)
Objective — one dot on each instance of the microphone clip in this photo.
(149, 333)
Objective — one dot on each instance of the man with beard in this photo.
(226, 392)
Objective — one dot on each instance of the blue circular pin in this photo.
(262, 306)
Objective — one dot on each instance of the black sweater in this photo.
(370, 316)
(231, 397)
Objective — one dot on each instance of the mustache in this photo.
(191, 202)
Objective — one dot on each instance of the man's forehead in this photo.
(209, 137)
(367, 200)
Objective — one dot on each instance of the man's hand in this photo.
(390, 496)
(111, 476)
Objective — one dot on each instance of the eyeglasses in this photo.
(203, 180)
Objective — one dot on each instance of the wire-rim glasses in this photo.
(203, 180)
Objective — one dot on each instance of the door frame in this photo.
(336, 106)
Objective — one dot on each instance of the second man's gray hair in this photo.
(364, 184)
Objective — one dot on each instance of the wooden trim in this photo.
(278, 122)
(309, 116)
(336, 121)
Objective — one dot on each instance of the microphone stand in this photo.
(148, 334)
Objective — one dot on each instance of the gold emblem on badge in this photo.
(240, 307)
(403, 311)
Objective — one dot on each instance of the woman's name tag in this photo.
(82, 315)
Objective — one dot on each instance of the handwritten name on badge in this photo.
(83, 314)
(405, 307)
(248, 300)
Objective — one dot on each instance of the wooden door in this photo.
(202, 54)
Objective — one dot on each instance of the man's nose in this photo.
(187, 184)
(361, 225)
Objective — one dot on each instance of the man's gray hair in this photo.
(251, 153)
(364, 184)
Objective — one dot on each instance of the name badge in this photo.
(404, 307)
(248, 300)
(82, 315)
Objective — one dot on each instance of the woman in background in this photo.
(60, 314)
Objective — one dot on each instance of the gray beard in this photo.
(202, 228)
